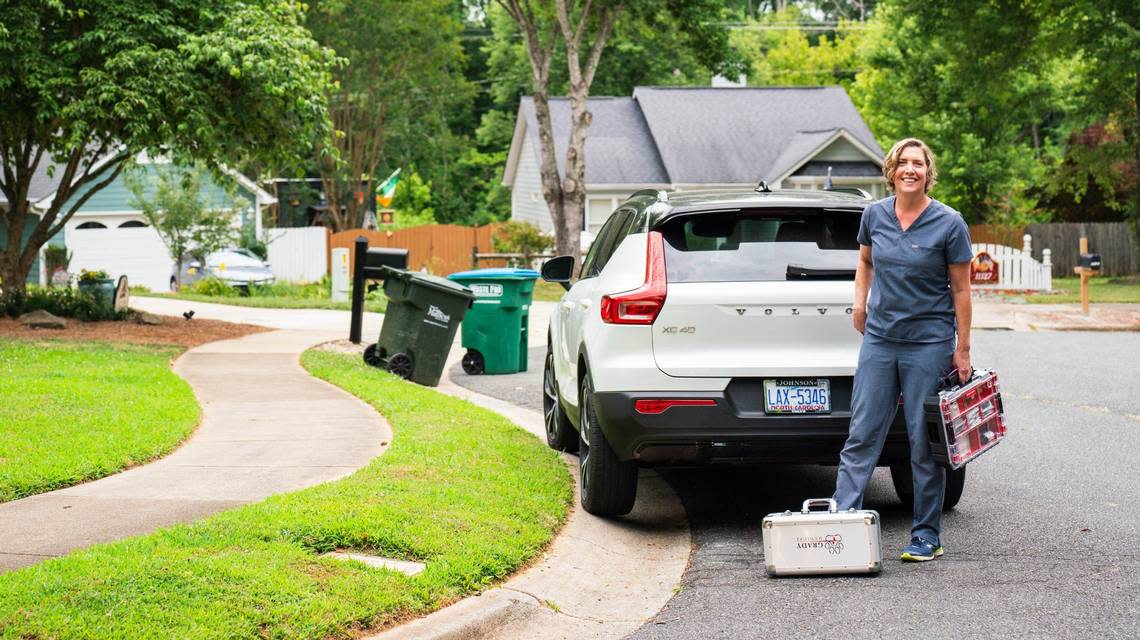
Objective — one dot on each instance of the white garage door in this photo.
(136, 252)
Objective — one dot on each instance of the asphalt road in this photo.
(1043, 544)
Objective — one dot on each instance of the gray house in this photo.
(688, 138)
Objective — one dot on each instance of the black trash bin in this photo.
(423, 314)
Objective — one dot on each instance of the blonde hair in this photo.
(891, 163)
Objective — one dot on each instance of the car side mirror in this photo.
(560, 270)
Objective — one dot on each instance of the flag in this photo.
(387, 190)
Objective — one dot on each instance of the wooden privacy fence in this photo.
(1114, 241)
(441, 249)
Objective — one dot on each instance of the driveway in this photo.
(324, 320)
(1040, 545)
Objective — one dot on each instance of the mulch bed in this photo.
(173, 331)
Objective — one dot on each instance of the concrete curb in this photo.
(600, 578)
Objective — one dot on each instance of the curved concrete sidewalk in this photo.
(267, 427)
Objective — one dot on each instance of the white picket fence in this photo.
(1017, 269)
(298, 255)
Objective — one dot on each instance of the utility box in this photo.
(340, 275)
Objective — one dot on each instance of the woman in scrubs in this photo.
(914, 262)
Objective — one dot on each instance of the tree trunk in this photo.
(12, 275)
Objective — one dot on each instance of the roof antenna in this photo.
(762, 188)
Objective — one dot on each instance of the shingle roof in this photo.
(705, 135)
(619, 147)
(42, 184)
(744, 134)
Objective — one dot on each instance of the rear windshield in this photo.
(770, 245)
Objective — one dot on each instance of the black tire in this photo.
(373, 356)
(401, 364)
(903, 480)
(560, 433)
(608, 485)
(473, 363)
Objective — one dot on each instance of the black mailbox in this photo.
(1090, 261)
(374, 259)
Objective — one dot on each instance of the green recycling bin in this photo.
(419, 325)
(495, 330)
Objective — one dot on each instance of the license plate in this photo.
(797, 395)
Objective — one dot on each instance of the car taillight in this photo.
(641, 305)
(656, 406)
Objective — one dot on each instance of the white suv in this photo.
(709, 327)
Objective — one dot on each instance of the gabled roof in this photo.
(745, 134)
(42, 184)
(263, 196)
(702, 135)
(619, 147)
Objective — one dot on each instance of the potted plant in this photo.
(57, 258)
(99, 286)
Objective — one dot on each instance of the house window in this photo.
(597, 211)
(132, 224)
(92, 225)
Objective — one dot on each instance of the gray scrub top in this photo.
(910, 293)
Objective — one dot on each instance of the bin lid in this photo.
(433, 282)
(495, 274)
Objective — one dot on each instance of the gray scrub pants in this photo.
(884, 368)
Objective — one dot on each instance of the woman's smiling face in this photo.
(910, 174)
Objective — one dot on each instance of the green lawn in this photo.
(547, 291)
(71, 412)
(1068, 290)
(272, 302)
(460, 488)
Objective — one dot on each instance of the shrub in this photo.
(521, 237)
(67, 303)
(212, 286)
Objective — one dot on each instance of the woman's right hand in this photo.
(859, 319)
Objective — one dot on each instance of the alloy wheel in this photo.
(550, 399)
(584, 436)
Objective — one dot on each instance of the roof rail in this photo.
(855, 191)
(660, 194)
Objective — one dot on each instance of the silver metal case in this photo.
(822, 542)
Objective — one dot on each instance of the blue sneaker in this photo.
(921, 550)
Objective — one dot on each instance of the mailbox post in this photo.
(1088, 265)
(368, 265)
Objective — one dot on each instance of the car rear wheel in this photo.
(560, 433)
(903, 480)
(608, 485)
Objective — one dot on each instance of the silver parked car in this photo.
(236, 267)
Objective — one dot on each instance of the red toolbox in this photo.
(965, 420)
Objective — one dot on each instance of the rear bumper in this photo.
(735, 430)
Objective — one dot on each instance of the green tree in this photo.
(581, 32)
(413, 203)
(1103, 149)
(89, 87)
(171, 201)
(780, 53)
(392, 102)
(973, 79)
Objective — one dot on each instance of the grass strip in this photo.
(72, 412)
(271, 302)
(461, 489)
(1101, 290)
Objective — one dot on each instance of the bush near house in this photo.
(63, 302)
